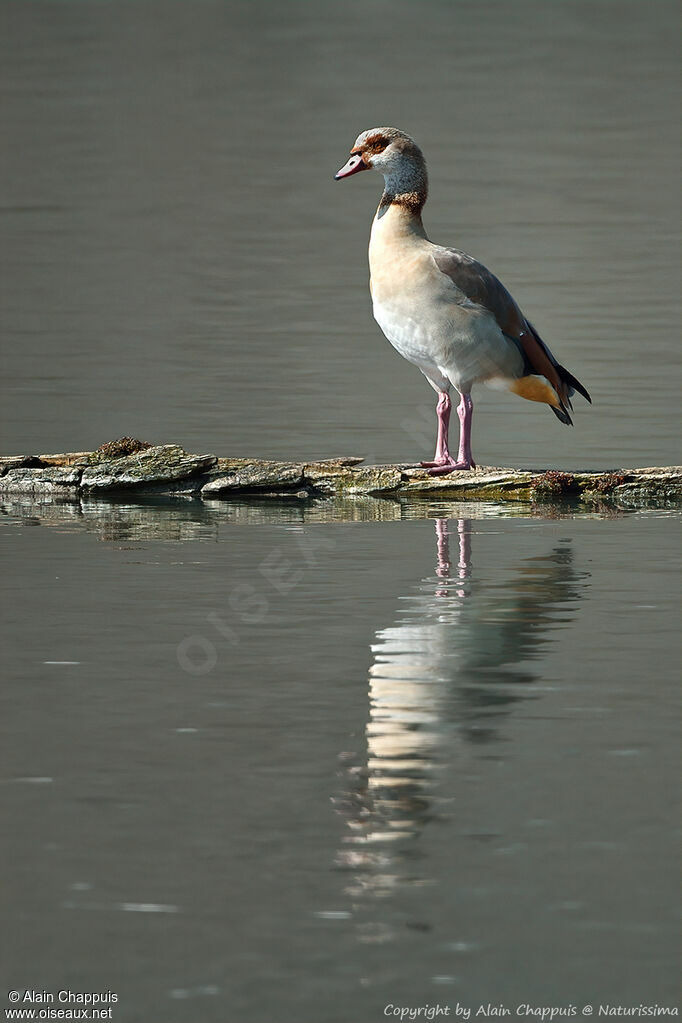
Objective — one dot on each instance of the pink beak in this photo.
(354, 166)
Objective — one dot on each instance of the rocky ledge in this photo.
(136, 468)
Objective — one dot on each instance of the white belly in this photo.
(448, 342)
(408, 335)
(426, 318)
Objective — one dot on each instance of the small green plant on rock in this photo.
(553, 484)
(121, 447)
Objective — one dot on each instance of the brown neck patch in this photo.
(411, 201)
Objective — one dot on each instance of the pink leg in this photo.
(446, 463)
(442, 455)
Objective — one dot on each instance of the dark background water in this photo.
(180, 265)
(265, 762)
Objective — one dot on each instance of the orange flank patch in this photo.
(535, 388)
(539, 360)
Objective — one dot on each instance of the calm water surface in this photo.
(180, 265)
(263, 763)
(268, 763)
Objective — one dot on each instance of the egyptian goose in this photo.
(441, 309)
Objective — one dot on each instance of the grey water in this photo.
(179, 265)
(303, 762)
(269, 763)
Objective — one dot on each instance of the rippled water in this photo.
(289, 762)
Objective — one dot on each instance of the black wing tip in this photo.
(567, 377)
(574, 383)
(562, 415)
(580, 389)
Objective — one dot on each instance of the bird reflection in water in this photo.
(444, 677)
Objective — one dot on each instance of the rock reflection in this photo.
(443, 677)
(140, 518)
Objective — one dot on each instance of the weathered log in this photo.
(169, 470)
(48, 479)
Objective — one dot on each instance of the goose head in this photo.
(394, 154)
